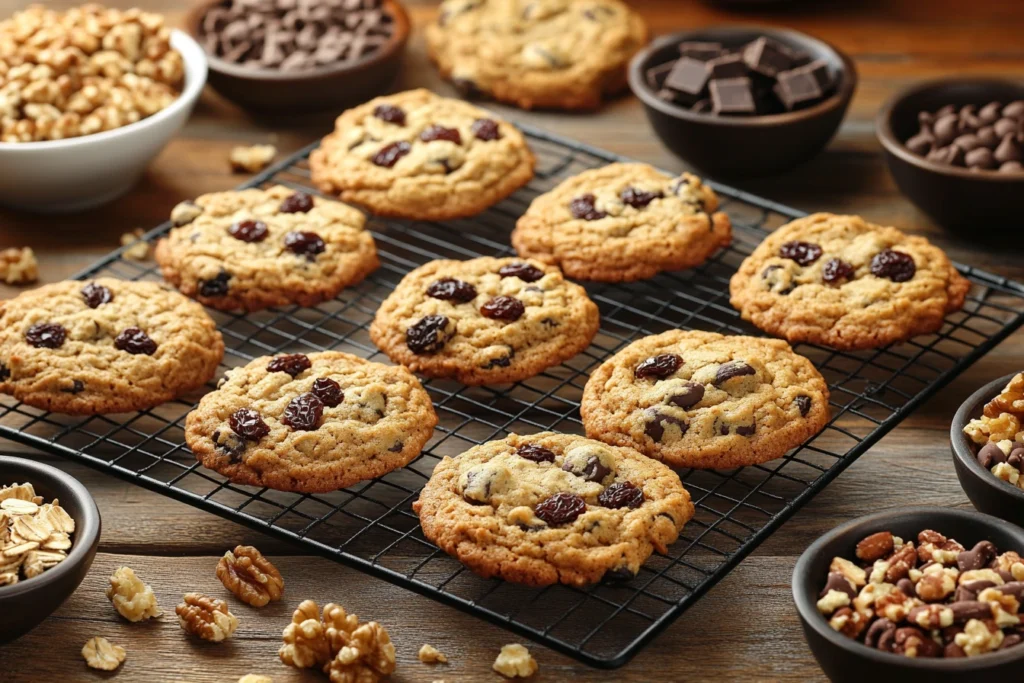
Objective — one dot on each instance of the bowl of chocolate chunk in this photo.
(743, 101)
(955, 148)
(917, 593)
(288, 56)
(987, 440)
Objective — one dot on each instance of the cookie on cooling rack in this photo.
(700, 399)
(311, 423)
(250, 249)
(484, 321)
(846, 283)
(104, 346)
(418, 155)
(552, 508)
(623, 222)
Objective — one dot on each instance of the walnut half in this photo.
(250, 576)
(100, 653)
(206, 617)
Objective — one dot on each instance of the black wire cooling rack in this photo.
(371, 525)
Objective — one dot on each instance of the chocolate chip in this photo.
(46, 335)
(561, 508)
(304, 413)
(486, 130)
(248, 424)
(951, 155)
(96, 295)
(734, 368)
(506, 308)
(746, 430)
(921, 143)
(249, 230)
(593, 469)
(1008, 150)
(523, 271)
(135, 341)
(835, 270)
(450, 289)
(218, 286)
(390, 113)
(990, 113)
(689, 395)
(1004, 127)
(428, 335)
(621, 495)
(293, 363)
(618, 575)
(967, 142)
(397, 447)
(880, 634)
(441, 133)
(638, 199)
(328, 391)
(804, 253)
(389, 155)
(980, 157)
(838, 582)
(895, 265)
(536, 453)
(583, 207)
(991, 455)
(77, 387)
(299, 202)
(1016, 457)
(977, 557)
(304, 243)
(5, 372)
(657, 421)
(658, 367)
(803, 404)
(945, 129)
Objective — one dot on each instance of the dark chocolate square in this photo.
(689, 76)
(727, 66)
(732, 96)
(655, 75)
(767, 57)
(797, 88)
(704, 51)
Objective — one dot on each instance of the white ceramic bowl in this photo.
(60, 176)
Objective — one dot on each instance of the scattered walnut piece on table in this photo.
(429, 654)
(251, 159)
(255, 678)
(18, 266)
(250, 576)
(138, 249)
(100, 653)
(205, 617)
(515, 660)
(133, 600)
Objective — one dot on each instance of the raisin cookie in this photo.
(700, 399)
(311, 423)
(484, 321)
(846, 283)
(623, 222)
(417, 155)
(104, 346)
(250, 249)
(550, 508)
(564, 54)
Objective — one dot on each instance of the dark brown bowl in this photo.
(744, 145)
(337, 86)
(987, 492)
(25, 604)
(846, 660)
(952, 197)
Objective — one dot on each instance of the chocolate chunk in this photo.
(727, 66)
(797, 88)
(688, 76)
(991, 455)
(702, 106)
(655, 75)
(704, 51)
(657, 422)
(1014, 110)
(689, 395)
(734, 368)
(593, 469)
(732, 96)
(838, 582)
(767, 57)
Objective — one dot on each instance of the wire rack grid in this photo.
(371, 525)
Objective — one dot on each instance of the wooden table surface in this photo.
(746, 627)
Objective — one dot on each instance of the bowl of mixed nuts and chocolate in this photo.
(919, 593)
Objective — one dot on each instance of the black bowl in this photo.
(844, 659)
(25, 604)
(953, 197)
(987, 492)
(744, 145)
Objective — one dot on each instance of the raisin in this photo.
(657, 420)
(95, 295)
(77, 387)
(428, 335)
(658, 367)
(304, 412)
(621, 494)
(307, 244)
(503, 308)
(249, 230)
(328, 391)
(803, 403)
(300, 202)
(218, 286)
(441, 133)
(532, 451)
(895, 265)
(583, 207)
(689, 395)
(523, 271)
(397, 447)
(135, 341)
(389, 155)
(293, 363)
(450, 289)
(804, 253)
(638, 199)
(46, 335)
(835, 270)
(248, 424)
(593, 470)
(620, 573)
(746, 430)
(734, 368)
(486, 130)
(5, 372)
(561, 508)
(390, 113)
(468, 87)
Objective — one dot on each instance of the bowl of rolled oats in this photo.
(88, 97)
(49, 532)
(987, 440)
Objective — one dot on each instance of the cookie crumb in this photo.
(515, 660)
(18, 266)
(100, 653)
(429, 654)
(251, 159)
(138, 249)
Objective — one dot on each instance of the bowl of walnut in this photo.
(987, 440)
(49, 532)
(88, 98)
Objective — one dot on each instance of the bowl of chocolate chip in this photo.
(294, 56)
(743, 101)
(915, 594)
(955, 148)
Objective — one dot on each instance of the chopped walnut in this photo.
(1011, 562)
(986, 429)
(18, 266)
(936, 583)
(367, 657)
(429, 654)
(1004, 606)
(137, 249)
(100, 653)
(185, 212)
(251, 159)
(206, 617)
(848, 622)
(832, 601)
(857, 576)
(979, 637)
(305, 641)
(255, 678)
(133, 600)
(250, 576)
(348, 651)
(1010, 399)
(515, 660)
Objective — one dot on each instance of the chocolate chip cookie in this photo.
(104, 346)
(417, 155)
(484, 321)
(846, 283)
(311, 423)
(564, 54)
(250, 249)
(623, 222)
(552, 508)
(700, 399)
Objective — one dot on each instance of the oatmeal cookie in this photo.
(250, 249)
(311, 423)
(563, 54)
(700, 399)
(484, 321)
(623, 222)
(549, 508)
(418, 155)
(104, 346)
(846, 283)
